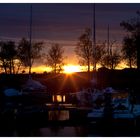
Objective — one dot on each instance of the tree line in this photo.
(90, 55)
(128, 52)
(15, 57)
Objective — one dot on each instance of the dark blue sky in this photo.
(63, 23)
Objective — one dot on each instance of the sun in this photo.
(71, 69)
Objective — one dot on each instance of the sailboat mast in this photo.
(108, 45)
(94, 36)
(30, 41)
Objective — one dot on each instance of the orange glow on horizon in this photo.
(69, 69)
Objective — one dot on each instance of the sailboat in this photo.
(119, 99)
(121, 107)
(32, 85)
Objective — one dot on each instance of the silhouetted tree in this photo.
(8, 55)
(55, 57)
(23, 52)
(111, 59)
(132, 26)
(129, 51)
(13, 56)
(84, 48)
(99, 53)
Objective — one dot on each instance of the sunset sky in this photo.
(63, 23)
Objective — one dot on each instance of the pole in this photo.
(94, 37)
(30, 37)
(108, 49)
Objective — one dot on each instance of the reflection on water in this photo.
(59, 115)
(54, 131)
(58, 127)
(70, 131)
(61, 131)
